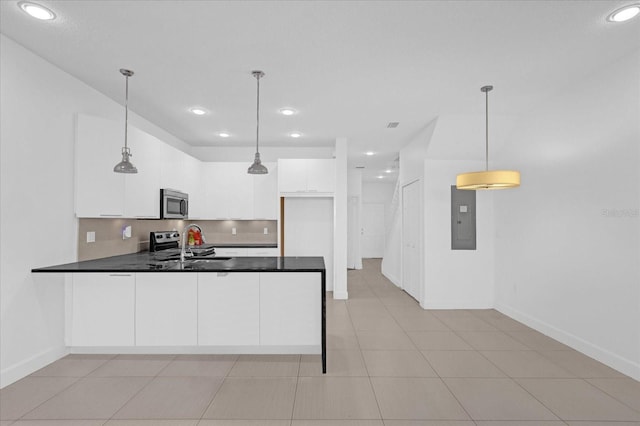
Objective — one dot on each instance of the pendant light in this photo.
(488, 179)
(257, 168)
(125, 165)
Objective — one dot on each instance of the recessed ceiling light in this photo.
(198, 111)
(369, 153)
(624, 13)
(224, 134)
(287, 111)
(388, 171)
(295, 134)
(380, 177)
(37, 11)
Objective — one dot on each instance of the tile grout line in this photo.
(151, 379)
(364, 362)
(78, 379)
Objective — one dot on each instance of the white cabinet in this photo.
(290, 305)
(99, 191)
(231, 251)
(266, 202)
(228, 308)
(142, 190)
(231, 193)
(193, 186)
(166, 309)
(306, 177)
(245, 251)
(263, 251)
(228, 190)
(103, 309)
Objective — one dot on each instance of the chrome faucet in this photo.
(185, 231)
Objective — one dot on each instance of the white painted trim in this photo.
(623, 365)
(22, 369)
(395, 280)
(306, 194)
(457, 304)
(302, 349)
(341, 295)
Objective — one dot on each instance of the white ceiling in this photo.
(348, 67)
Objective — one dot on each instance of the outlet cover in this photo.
(266, 231)
(91, 237)
(233, 231)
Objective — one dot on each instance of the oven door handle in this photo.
(184, 209)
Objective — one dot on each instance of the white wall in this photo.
(340, 221)
(455, 279)
(37, 125)
(568, 240)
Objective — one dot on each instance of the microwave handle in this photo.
(184, 209)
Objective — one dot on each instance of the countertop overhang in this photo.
(148, 262)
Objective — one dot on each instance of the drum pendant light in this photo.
(257, 168)
(125, 166)
(488, 179)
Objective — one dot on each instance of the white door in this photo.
(411, 239)
(354, 243)
(373, 232)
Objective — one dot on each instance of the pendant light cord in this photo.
(487, 129)
(258, 112)
(126, 110)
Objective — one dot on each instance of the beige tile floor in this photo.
(390, 363)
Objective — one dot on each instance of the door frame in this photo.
(421, 272)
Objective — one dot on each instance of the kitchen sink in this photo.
(192, 259)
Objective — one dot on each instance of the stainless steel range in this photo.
(166, 245)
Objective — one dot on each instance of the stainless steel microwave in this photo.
(173, 204)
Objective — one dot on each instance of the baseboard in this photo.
(240, 349)
(22, 369)
(457, 304)
(623, 365)
(392, 278)
(341, 295)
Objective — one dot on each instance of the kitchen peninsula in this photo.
(136, 303)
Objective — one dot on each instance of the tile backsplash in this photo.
(109, 242)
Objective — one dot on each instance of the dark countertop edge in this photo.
(163, 271)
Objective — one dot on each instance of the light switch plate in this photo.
(91, 237)
(463, 209)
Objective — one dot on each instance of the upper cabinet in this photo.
(306, 177)
(142, 195)
(231, 193)
(100, 192)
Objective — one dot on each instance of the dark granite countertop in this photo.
(158, 262)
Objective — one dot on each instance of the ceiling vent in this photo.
(392, 124)
(359, 167)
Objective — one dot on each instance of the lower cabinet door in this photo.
(166, 309)
(103, 309)
(290, 304)
(228, 308)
